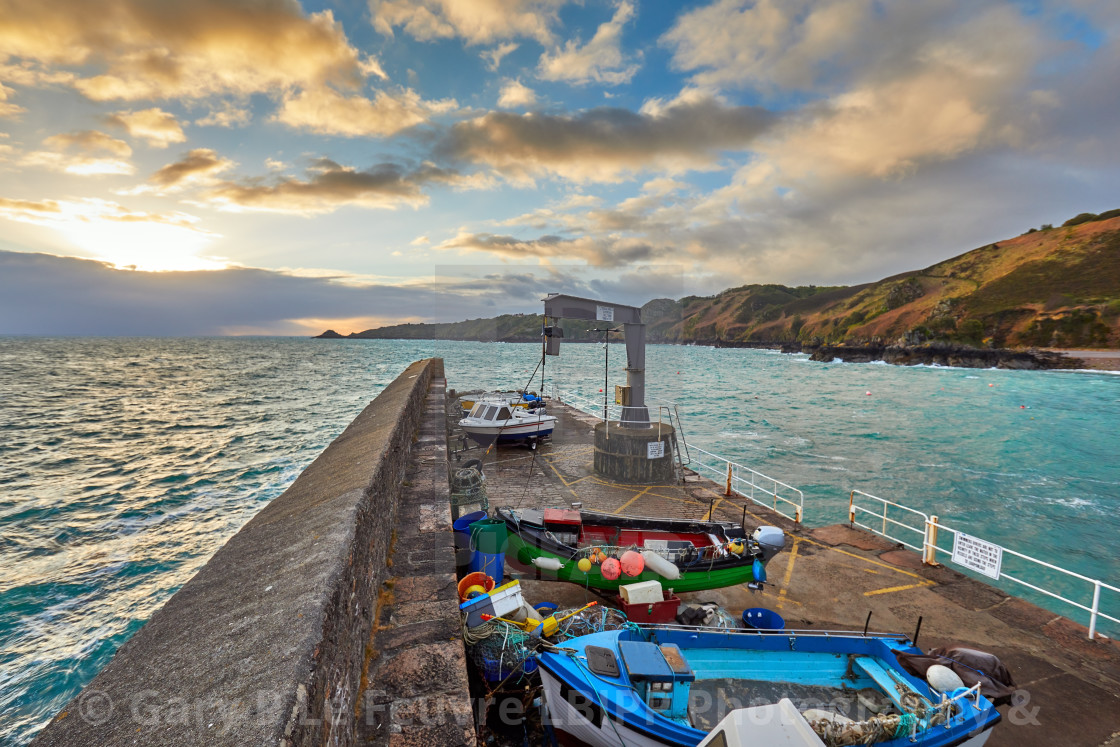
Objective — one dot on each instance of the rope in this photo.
(906, 723)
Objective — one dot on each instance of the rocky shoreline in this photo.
(958, 356)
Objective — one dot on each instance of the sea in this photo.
(125, 463)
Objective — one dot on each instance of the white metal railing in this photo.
(739, 479)
(748, 483)
(930, 529)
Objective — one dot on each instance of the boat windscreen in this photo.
(490, 412)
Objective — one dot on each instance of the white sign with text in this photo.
(982, 557)
(604, 313)
(655, 449)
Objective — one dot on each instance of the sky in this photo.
(223, 167)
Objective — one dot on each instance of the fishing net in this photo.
(836, 733)
(591, 620)
(500, 651)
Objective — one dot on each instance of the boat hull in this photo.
(503, 433)
(573, 716)
(606, 709)
(524, 551)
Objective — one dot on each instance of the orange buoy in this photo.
(612, 569)
(632, 563)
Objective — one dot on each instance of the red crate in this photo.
(562, 516)
(658, 612)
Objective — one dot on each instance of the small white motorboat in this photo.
(490, 422)
(522, 400)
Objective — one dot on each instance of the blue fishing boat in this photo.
(647, 686)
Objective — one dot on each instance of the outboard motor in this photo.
(771, 540)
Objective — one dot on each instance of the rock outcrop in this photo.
(960, 356)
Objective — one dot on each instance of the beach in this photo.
(1098, 360)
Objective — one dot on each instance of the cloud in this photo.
(197, 168)
(157, 127)
(330, 186)
(89, 160)
(327, 112)
(515, 95)
(89, 141)
(8, 110)
(493, 57)
(117, 234)
(228, 115)
(777, 43)
(476, 21)
(612, 252)
(599, 60)
(16, 209)
(959, 90)
(372, 66)
(77, 164)
(184, 50)
(41, 294)
(605, 144)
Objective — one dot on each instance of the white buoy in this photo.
(942, 679)
(660, 565)
(548, 564)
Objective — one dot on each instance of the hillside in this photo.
(1054, 287)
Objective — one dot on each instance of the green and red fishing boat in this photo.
(683, 554)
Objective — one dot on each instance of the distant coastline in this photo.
(941, 354)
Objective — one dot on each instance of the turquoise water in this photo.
(125, 463)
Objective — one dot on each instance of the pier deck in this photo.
(829, 578)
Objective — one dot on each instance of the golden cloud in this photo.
(156, 126)
(89, 141)
(607, 252)
(80, 165)
(15, 209)
(197, 168)
(599, 60)
(775, 42)
(227, 115)
(605, 144)
(325, 111)
(8, 110)
(475, 21)
(516, 95)
(328, 187)
(955, 92)
(167, 49)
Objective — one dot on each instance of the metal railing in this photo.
(748, 483)
(930, 528)
(739, 479)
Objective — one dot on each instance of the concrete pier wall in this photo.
(266, 644)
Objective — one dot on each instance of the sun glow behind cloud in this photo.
(107, 231)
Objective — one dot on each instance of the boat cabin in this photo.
(660, 676)
(491, 411)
